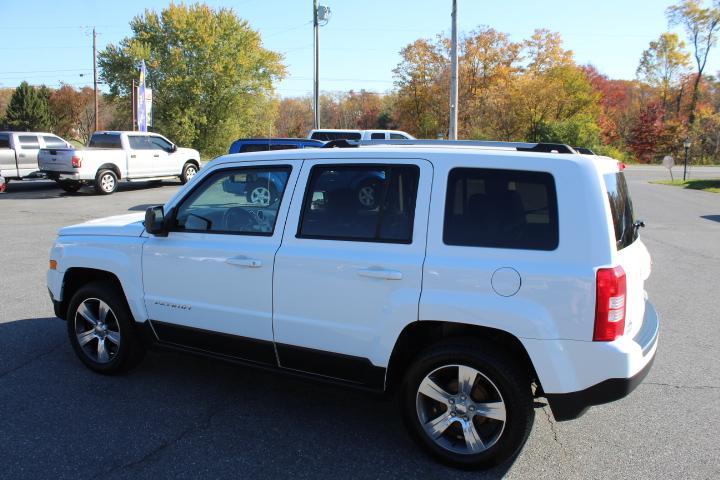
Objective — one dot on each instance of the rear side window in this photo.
(622, 209)
(501, 209)
(254, 147)
(105, 140)
(4, 140)
(327, 136)
(138, 142)
(377, 136)
(371, 203)
(285, 146)
(29, 141)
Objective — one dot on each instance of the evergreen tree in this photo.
(28, 110)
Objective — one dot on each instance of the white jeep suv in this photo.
(466, 279)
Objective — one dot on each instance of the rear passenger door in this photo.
(28, 153)
(348, 274)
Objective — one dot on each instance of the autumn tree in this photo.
(28, 109)
(73, 112)
(662, 65)
(701, 25)
(211, 77)
(295, 117)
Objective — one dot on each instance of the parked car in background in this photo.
(246, 145)
(19, 152)
(112, 156)
(327, 135)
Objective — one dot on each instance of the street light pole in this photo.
(686, 144)
(95, 82)
(453, 76)
(316, 82)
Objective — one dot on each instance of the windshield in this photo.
(622, 209)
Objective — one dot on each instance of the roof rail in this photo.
(519, 146)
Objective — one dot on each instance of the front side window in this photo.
(29, 141)
(159, 143)
(501, 209)
(398, 136)
(54, 142)
(239, 201)
(374, 203)
(377, 136)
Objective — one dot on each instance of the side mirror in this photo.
(155, 221)
(173, 148)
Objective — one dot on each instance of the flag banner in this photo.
(142, 116)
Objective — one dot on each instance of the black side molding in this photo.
(569, 406)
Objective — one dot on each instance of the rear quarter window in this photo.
(328, 136)
(621, 208)
(501, 209)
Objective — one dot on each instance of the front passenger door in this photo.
(208, 284)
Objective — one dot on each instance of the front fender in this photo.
(120, 256)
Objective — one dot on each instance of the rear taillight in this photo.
(76, 161)
(610, 304)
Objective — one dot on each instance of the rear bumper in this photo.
(571, 405)
(61, 175)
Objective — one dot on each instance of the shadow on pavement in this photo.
(714, 218)
(183, 416)
(46, 189)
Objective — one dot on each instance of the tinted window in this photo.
(29, 141)
(159, 143)
(377, 136)
(285, 146)
(54, 142)
(242, 200)
(105, 140)
(4, 140)
(501, 209)
(622, 209)
(398, 136)
(254, 147)
(327, 136)
(138, 142)
(364, 203)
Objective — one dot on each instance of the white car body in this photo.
(349, 304)
(327, 134)
(124, 158)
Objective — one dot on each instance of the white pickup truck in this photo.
(112, 156)
(19, 152)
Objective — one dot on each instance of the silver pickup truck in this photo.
(112, 156)
(19, 152)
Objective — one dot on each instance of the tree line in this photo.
(213, 82)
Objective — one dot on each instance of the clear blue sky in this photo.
(45, 41)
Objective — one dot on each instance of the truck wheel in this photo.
(70, 186)
(367, 194)
(261, 194)
(106, 182)
(189, 170)
(102, 330)
(467, 404)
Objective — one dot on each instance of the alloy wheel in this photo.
(460, 409)
(97, 330)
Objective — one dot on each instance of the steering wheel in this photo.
(237, 219)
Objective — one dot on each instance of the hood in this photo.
(130, 225)
(189, 152)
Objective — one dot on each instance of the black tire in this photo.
(270, 194)
(106, 182)
(188, 171)
(70, 186)
(509, 381)
(122, 357)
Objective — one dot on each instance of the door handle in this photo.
(133, 156)
(380, 273)
(156, 155)
(22, 155)
(243, 261)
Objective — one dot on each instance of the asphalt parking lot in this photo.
(178, 416)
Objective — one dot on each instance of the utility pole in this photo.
(316, 82)
(453, 76)
(95, 82)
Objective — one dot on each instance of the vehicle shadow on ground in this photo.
(714, 218)
(178, 415)
(42, 190)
